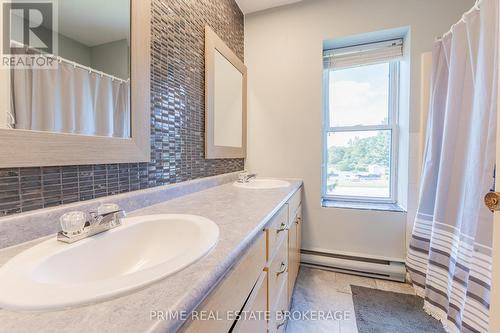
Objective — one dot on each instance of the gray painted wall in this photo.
(112, 58)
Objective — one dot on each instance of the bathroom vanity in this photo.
(253, 266)
(262, 281)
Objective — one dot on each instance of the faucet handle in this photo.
(242, 176)
(76, 227)
(73, 222)
(108, 208)
(110, 213)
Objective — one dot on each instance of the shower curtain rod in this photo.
(476, 7)
(70, 62)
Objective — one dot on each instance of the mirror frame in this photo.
(25, 148)
(212, 44)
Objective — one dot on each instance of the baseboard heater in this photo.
(375, 268)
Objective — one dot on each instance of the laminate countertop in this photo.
(239, 213)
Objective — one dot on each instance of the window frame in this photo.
(393, 117)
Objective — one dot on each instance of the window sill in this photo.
(388, 207)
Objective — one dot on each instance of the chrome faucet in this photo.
(75, 225)
(244, 177)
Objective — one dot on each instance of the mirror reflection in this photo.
(228, 103)
(88, 91)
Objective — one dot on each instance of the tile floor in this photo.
(319, 291)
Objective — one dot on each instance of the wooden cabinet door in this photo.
(292, 258)
(256, 305)
(298, 223)
(495, 282)
(294, 245)
(277, 323)
(232, 292)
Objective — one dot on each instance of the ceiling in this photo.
(94, 22)
(251, 6)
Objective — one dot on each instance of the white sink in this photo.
(53, 275)
(263, 183)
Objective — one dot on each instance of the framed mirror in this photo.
(86, 97)
(225, 100)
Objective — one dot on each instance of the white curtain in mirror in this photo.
(70, 100)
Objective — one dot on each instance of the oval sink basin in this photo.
(263, 184)
(53, 275)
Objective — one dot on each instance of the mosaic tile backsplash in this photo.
(177, 117)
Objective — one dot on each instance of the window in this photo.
(360, 127)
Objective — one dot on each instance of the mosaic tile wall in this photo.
(177, 123)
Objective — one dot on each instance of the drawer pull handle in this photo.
(283, 227)
(298, 220)
(282, 269)
(283, 322)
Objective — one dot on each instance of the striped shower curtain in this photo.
(449, 257)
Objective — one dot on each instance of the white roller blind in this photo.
(363, 54)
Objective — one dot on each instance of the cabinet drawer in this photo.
(277, 323)
(276, 230)
(278, 272)
(256, 306)
(294, 203)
